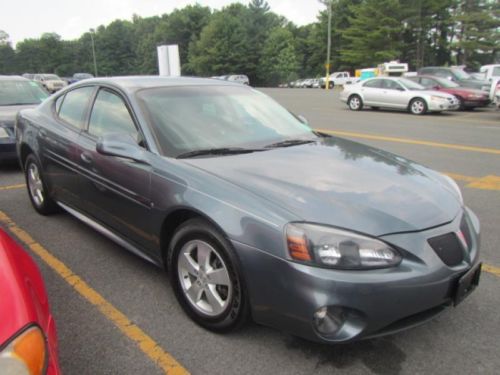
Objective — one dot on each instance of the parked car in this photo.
(16, 93)
(252, 212)
(28, 75)
(80, 76)
(336, 78)
(28, 338)
(316, 83)
(467, 98)
(51, 82)
(239, 78)
(397, 93)
(308, 83)
(456, 75)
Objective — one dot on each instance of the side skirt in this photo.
(109, 234)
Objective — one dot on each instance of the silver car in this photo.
(397, 93)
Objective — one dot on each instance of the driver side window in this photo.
(110, 115)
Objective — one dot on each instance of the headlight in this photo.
(456, 189)
(26, 354)
(335, 248)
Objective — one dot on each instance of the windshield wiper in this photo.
(217, 151)
(290, 142)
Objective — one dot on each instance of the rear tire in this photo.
(418, 106)
(205, 277)
(355, 103)
(37, 188)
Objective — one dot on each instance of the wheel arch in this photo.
(24, 151)
(173, 220)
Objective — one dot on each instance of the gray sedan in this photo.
(396, 93)
(252, 212)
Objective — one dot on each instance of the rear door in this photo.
(116, 190)
(58, 142)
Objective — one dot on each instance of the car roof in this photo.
(12, 78)
(134, 83)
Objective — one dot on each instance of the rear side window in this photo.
(110, 115)
(74, 107)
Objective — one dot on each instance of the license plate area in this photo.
(467, 283)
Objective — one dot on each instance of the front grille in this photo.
(448, 248)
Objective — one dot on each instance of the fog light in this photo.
(328, 320)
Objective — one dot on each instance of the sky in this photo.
(23, 19)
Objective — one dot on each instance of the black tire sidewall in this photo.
(236, 312)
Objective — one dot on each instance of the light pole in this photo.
(93, 51)
(328, 45)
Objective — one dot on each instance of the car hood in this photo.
(8, 113)
(342, 183)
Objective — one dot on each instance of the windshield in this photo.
(460, 74)
(51, 77)
(187, 119)
(20, 92)
(410, 85)
(446, 83)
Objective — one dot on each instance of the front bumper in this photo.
(286, 294)
(443, 105)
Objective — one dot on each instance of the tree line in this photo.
(251, 39)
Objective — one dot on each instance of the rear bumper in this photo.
(286, 295)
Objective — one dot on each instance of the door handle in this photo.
(86, 157)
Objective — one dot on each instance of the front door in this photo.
(116, 191)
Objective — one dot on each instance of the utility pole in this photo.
(93, 51)
(329, 45)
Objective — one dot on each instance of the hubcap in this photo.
(204, 277)
(417, 107)
(35, 184)
(355, 103)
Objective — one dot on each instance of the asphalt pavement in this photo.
(93, 340)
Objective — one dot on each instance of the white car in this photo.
(51, 82)
(240, 78)
(397, 93)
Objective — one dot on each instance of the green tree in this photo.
(374, 33)
(477, 35)
(222, 47)
(279, 62)
(7, 54)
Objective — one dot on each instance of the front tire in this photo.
(205, 277)
(418, 106)
(37, 188)
(355, 103)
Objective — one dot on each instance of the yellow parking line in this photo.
(491, 269)
(10, 187)
(490, 182)
(147, 345)
(412, 141)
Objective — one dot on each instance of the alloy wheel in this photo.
(204, 278)
(418, 107)
(354, 103)
(35, 185)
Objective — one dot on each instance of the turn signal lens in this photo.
(26, 354)
(297, 245)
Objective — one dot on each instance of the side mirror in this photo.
(122, 145)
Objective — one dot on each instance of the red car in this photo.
(28, 340)
(468, 98)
